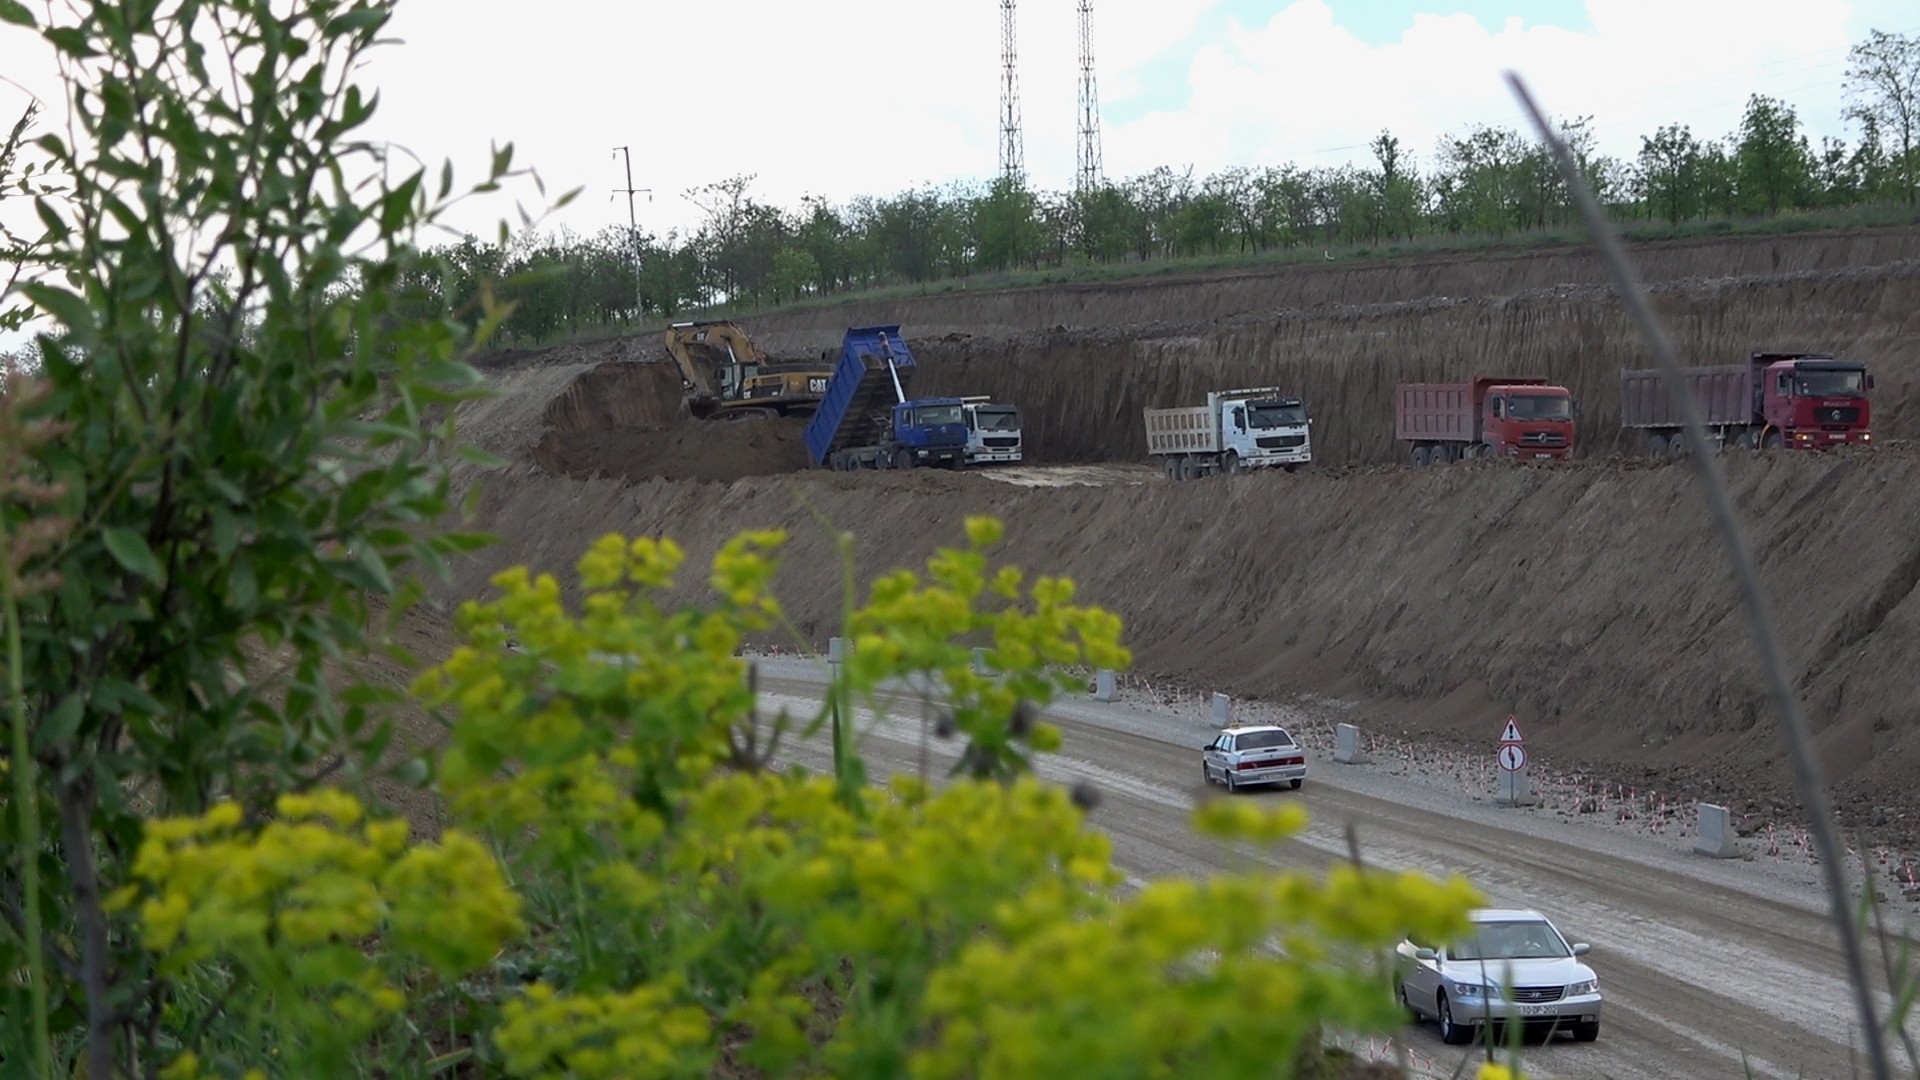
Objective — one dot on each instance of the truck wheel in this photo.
(1189, 469)
(1749, 440)
(1774, 441)
(1677, 446)
(903, 458)
(1171, 467)
(1421, 456)
(1234, 468)
(1656, 445)
(1442, 455)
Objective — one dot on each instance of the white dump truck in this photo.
(1234, 431)
(993, 431)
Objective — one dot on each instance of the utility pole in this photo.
(633, 227)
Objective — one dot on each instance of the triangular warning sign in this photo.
(1512, 732)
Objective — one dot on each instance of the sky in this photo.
(840, 98)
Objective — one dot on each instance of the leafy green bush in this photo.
(691, 905)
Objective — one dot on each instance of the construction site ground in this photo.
(1591, 599)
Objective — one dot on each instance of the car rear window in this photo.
(1262, 740)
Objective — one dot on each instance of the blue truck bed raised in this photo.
(858, 404)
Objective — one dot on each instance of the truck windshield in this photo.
(1539, 407)
(1830, 383)
(1272, 416)
(997, 419)
(929, 415)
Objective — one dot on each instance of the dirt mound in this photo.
(687, 450)
(625, 420)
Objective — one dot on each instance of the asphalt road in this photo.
(1710, 968)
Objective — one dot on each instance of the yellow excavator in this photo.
(727, 377)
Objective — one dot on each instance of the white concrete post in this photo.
(1103, 686)
(1346, 745)
(1222, 708)
(1717, 837)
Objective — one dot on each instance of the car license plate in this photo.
(1837, 435)
(1536, 1010)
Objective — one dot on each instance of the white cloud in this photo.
(1299, 87)
(850, 97)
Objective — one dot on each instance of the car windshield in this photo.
(1517, 939)
(1272, 416)
(1262, 740)
(1539, 407)
(1830, 383)
(929, 415)
(997, 419)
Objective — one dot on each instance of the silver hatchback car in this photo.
(1253, 754)
(1513, 966)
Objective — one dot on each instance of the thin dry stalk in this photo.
(1806, 769)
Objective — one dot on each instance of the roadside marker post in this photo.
(1103, 686)
(1346, 745)
(1222, 708)
(1717, 836)
(1511, 784)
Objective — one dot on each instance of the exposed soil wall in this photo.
(1593, 601)
(1590, 598)
(1081, 393)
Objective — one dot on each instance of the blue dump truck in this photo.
(866, 420)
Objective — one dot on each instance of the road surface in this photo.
(1710, 968)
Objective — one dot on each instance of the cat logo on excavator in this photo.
(727, 377)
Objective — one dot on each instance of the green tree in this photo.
(256, 436)
(1002, 225)
(1773, 160)
(1395, 207)
(1669, 172)
(794, 272)
(1883, 91)
(1477, 182)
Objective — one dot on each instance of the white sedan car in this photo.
(1514, 965)
(1253, 754)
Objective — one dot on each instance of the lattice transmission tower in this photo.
(1087, 173)
(1013, 164)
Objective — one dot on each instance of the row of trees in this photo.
(1490, 182)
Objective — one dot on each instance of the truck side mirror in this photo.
(1869, 382)
(1576, 408)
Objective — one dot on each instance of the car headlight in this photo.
(1471, 990)
(1591, 986)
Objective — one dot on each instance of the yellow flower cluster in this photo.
(296, 900)
(1031, 636)
(1157, 966)
(554, 734)
(637, 1033)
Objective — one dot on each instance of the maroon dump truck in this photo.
(1510, 417)
(1773, 401)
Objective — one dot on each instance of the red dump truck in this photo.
(1774, 400)
(1489, 416)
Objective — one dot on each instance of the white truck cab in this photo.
(1234, 431)
(993, 431)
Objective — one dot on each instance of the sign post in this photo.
(1511, 787)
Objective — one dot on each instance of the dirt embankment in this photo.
(1184, 299)
(1590, 599)
(1594, 602)
(623, 419)
(1081, 393)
